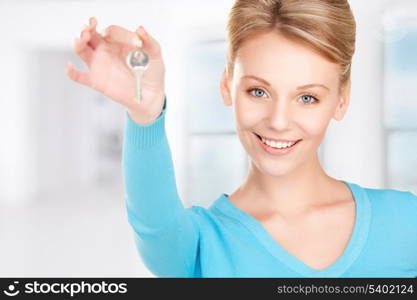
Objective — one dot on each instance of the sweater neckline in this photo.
(343, 262)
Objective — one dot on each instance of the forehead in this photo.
(279, 59)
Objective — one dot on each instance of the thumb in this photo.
(150, 44)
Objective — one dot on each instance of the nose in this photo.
(280, 115)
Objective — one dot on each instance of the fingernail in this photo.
(141, 30)
(136, 41)
(103, 32)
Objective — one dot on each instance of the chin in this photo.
(273, 170)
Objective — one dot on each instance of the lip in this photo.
(275, 151)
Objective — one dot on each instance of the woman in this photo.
(287, 75)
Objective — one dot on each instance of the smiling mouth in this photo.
(260, 138)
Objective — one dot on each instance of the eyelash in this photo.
(316, 100)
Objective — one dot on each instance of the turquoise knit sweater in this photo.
(224, 241)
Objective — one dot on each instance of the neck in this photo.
(291, 194)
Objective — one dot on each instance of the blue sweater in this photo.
(224, 241)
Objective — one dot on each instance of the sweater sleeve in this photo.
(166, 234)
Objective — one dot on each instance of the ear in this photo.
(343, 102)
(225, 88)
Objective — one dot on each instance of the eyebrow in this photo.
(298, 88)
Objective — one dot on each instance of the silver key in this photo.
(138, 61)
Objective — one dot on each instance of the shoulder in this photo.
(199, 214)
(391, 194)
(393, 210)
(392, 198)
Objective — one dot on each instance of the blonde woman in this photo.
(287, 76)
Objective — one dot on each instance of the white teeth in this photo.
(277, 144)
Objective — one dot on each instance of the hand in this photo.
(105, 55)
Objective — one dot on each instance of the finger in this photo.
(81, 46)
(117, 34)
(77, 75)
(96, 38)
(150, 44)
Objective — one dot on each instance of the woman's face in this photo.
(295, 98)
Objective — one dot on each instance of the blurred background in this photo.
(62, 210)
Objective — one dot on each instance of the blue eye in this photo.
(306, 99)
(256, 89)
(309, 99)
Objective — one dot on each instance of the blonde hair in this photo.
(327, 26)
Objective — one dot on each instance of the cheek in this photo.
(247, 115)
(315, 123)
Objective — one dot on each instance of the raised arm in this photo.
(166, 234)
